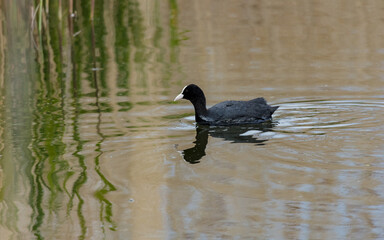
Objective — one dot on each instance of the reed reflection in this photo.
(17, 85)
(234, 134)
(86, 64)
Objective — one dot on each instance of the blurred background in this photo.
(92, 145)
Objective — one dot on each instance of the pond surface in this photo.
(93, 146)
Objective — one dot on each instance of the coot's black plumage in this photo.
(229, 112)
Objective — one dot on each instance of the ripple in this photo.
(308, 116)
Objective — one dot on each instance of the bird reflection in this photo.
(235, 134)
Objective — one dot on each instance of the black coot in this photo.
(229, 112)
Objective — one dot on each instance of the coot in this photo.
(229, 112)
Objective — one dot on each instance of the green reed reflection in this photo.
(17, 84)
(48, 131)
(105, 204)
(122, 47)
(82, 173)
(53, 133)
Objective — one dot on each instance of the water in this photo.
(93, 147)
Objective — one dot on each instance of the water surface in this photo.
(93, 147)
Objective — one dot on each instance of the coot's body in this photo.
(228, 112)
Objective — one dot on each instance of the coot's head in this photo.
(192, 93)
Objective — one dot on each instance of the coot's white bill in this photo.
(178, 97)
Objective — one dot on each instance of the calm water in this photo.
(93, 147)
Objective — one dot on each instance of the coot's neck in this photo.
(200, 108)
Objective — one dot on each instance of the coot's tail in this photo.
(273, 109)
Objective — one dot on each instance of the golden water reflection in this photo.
(92, 146)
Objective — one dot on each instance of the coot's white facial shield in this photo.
(180, 96)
